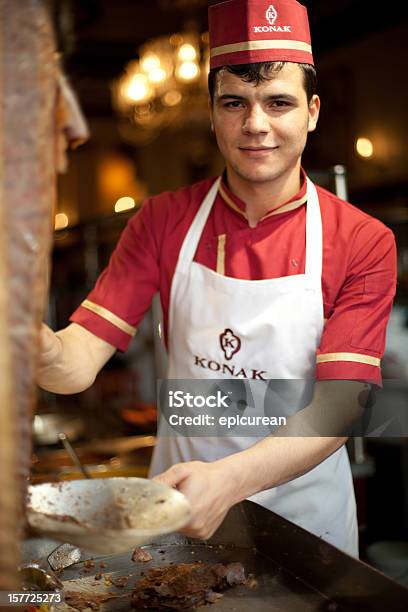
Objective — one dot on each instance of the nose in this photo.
(256, 121)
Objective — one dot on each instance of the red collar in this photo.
(240, 207)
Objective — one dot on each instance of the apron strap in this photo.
(193, 236)
(314, 236)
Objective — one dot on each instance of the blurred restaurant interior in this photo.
(149, 132)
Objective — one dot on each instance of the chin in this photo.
(260, 175)
(264, 172)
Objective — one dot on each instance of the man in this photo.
(299, 281)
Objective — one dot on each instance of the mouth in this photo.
(257, 151)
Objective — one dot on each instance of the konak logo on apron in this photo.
(223, 327)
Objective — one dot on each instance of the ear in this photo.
(314, 110)
(210, 110)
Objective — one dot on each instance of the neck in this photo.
(263, 197)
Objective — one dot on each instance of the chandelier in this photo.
(166, 86)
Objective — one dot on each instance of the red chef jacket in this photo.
(358, 277)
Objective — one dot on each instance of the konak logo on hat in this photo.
(271, 14)
(249, 31)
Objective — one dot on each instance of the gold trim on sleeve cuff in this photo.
(109, 316)
(354, 357)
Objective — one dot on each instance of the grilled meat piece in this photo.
(185, 586)
(83, 601)
(139, 554)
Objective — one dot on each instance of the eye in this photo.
(233, 104)
(280, 104)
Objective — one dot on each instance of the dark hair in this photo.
(264, 71)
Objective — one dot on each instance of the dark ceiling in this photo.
(98, 37)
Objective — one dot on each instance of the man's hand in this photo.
(70, 359)
(210, 490)
(50, 347)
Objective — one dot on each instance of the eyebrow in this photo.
(283, 96)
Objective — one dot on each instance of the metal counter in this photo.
(295, 570)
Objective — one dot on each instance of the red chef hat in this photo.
(249, 31)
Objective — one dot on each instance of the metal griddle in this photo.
(295, 570)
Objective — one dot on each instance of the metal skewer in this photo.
(73, 454)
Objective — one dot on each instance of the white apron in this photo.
(279, 322)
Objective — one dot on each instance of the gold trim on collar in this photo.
(221, 254)
(286, 208)
(257, 45)
(109, 316)
(354, 357)
(231, 202)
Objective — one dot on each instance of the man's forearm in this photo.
(70, 359)
(282, 457)
(275, 461)
(213, 487)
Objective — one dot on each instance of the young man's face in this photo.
(262, 129)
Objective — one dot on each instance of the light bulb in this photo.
(187, 71)
(61, 221)
(138, 88)
(187, 53)
(157, 75)
(364, 147)
(150, 62)
(125, 203)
